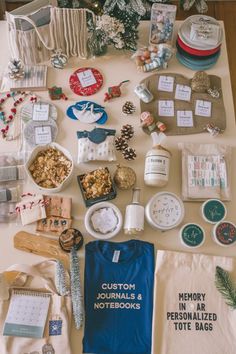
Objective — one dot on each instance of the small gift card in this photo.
(203, 108)
(184, 118)
(166, 108)
(166, 83)
(183, 92)
(40, 112)
(86, 78)
(43, 135)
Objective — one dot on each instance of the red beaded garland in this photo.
(7, 120)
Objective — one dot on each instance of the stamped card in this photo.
(43, 135)
(40, 112)
(203, 108)
(166, 83)
(183, 92)
(86, 78)
(166, 108)
(184, 118)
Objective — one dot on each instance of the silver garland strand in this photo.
(76, 293)
(60, 279)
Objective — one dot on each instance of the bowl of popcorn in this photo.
(50, 167)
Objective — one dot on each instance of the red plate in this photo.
(198, 52)
(90, 81)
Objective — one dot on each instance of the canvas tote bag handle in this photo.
(26, 18)
(38, 270)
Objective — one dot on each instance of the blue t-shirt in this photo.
(118, 297)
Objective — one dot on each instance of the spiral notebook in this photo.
(27, 314)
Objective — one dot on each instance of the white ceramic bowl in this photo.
(32, 157)
(89, 224)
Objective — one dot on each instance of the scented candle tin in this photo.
(213, 211)
(164, 211)
(224, 233)
(192, 235)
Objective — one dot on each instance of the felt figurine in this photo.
(114, 91)
(56, 93)
(148, 121)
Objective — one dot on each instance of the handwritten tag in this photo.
(40, 112)
(166, 83)
(203, 108)
(86, 78)
(43, 135)
(183, 92)
(166, 108)
(184, 118)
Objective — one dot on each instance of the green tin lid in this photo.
(213, 211)
(192, 235)
(224, 233)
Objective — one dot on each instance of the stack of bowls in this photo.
(199, 42)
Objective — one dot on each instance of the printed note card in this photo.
(27, 314)
(43, 135)
(40, 112)
(184, 118)
(203, 108)
(183, 92)
(166, 83)
(86, 78)
(166, 108)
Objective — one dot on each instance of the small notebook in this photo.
(27, 314)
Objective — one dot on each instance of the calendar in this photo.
(27, 314)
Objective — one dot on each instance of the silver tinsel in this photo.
(76, 292)
(60, 280)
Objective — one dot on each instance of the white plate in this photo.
(185, 29)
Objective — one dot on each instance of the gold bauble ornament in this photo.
(124, 177)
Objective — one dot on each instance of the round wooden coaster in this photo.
(86, 81)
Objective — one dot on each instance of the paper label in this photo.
(8, 173)
(43, 135)
(40, 112)
(166, 83)
(184, 118)
(116, 256)
(166, 108)
(86, 78)
(203, 108)
(207, 171)
(157, 166)
(183, 92)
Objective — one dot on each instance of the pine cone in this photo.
(127, 131)
(120, 143)
(129, 154)
(128, 108)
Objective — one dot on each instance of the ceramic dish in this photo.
(195, 66)
(196, 52)
(164, 211)
(185, 29)
(224, 233)
(192, 235)
(34, 155)
(103, 220)
(213, 211)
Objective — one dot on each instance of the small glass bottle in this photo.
(134, 215)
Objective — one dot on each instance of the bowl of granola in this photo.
(50, 167)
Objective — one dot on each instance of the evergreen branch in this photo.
(225, 286)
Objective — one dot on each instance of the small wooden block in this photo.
(40, 245)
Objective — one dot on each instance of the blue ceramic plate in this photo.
(80, 105)
(196, 65)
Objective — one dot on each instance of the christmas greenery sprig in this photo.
(225, 286)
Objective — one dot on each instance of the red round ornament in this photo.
(89, 83)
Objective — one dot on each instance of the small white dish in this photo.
(103, 220)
